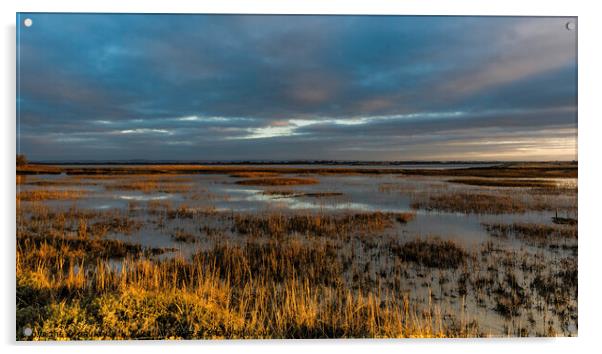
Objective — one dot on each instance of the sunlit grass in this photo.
(38, 195)
(282, 181)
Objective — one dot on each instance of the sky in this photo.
(244, 87)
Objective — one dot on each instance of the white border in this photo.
(590, 316)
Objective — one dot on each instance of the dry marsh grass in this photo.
(32, 169)
(278, 181)
(494, 182)
(150, 187)
(477, 203)
(254, 174)
(39, 195)
(262, 288)
(532, 232)
(290, 276)
(181, 235)
(508, 170)
(299, 194)
(564, 220)
(278, 225)
(186, 300)
(432, 252)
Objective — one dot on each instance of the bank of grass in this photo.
(40, 195)
(253, 174)
(300, 194)
(335, 225)
(181, 235)
(150, 186)
(532, 231)
(507, 170)
(282, 181)
(464, 202)
(495, 182)
(432, 252)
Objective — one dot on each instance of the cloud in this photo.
(102, 86)
(145, 131)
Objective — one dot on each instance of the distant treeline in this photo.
(284, 162)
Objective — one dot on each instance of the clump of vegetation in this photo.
(532, 232)
(78, 248)
(471, 203)
(253, 174)
(495, 182)
(316, 224)
(404, 218)
(181, 235)
(282, 181)
(21, 160)
(298, 194)
(564, 221)
(507, 170)
(59, 182)
(184, 212)
(431, 253)
(558, 288)
(280, 193)
(38, 195)
(510, 297)
(152, 184)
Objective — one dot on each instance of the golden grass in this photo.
(299, 194)
(532, 232)
(508, 170)
(278, 181)
(471, 203)
(150, 186)
(263, 288)
(432, 253)
(278, 225)
(38, 195)
(214, 296)
(494, 182)
(60, 182)
(31, 169)
(181, 235)
(253, 174)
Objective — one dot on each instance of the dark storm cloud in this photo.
(310, 87)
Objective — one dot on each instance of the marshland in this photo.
(303, 251)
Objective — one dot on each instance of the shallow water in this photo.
(359, 194)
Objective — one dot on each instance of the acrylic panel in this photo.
(184, 176)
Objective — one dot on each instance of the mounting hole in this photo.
(570, 25)
(27, 331)
(28, 22)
